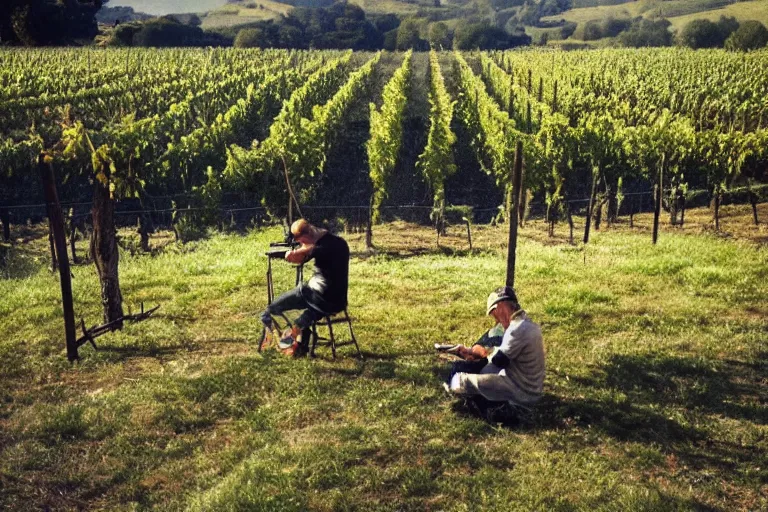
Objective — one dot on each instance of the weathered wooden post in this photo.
(105, 253)
(5, 218)
(659, 198)
(56, 219)
(517, 172)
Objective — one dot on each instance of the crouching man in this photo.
(324, 294)
(513, 373)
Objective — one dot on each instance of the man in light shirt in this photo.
(512, 373)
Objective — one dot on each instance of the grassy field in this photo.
(232, 15)
(656, 395)
(742, 11)
(678, 12)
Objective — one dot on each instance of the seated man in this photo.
(514, 372)
(326, 291)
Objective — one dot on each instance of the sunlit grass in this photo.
(655, 396)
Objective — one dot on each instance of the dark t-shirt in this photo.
(327, 288)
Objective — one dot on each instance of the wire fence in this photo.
(240, 212)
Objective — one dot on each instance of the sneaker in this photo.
(296, 350)
(447, 348)
(286, 341)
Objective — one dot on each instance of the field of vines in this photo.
(196, 143)
(200, 130)
(200, 138)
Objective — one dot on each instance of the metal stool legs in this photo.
(331, 340)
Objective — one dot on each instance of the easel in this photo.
(278, 250)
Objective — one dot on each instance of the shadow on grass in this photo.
(736, 389)
(668, 401)
(124, 352)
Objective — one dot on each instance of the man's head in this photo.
(304, 232)
(501, 304)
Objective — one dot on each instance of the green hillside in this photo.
(678, 12)
(245, 12)
(508, 14)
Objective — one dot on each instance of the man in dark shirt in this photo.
(326, 291)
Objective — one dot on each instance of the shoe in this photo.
(296, 350)
(447, 348)
(287, 340)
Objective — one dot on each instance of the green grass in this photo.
(655, 397)
(231, 15)
(678, 12)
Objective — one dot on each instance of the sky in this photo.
(159, 7)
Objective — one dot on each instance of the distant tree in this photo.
(727, 25)
(529, 14)
(593, 30)
(567, 29)
(342, 25)
(47, 22)
(647, 33)
(612, 27)
(390, 40)
(701, 34)
(252, 38)
(123, 34)
(439, 36)
(751, 35)
(164, 32)
(482, 36)
(290, 36)
(386, 22)
(408, 36)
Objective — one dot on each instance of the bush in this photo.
(701, 34)
(408, 36)
(592, 31)
(610, 27)
(164, 32)
(439, 36)
(249, 38)
(390, 40)
(482, 36)
(646, 33)
(568, 29)
(751, 35)
(123, 34)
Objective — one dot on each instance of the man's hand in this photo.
(299, 255)
(475, 353)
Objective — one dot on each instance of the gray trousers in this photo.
(486, 380)
(290, 301)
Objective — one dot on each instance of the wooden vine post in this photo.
(517, 172)
(56, 219)
(5, 218)
(104, 249)
(596, 171)
(659, 198)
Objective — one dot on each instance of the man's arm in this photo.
(300, 255)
